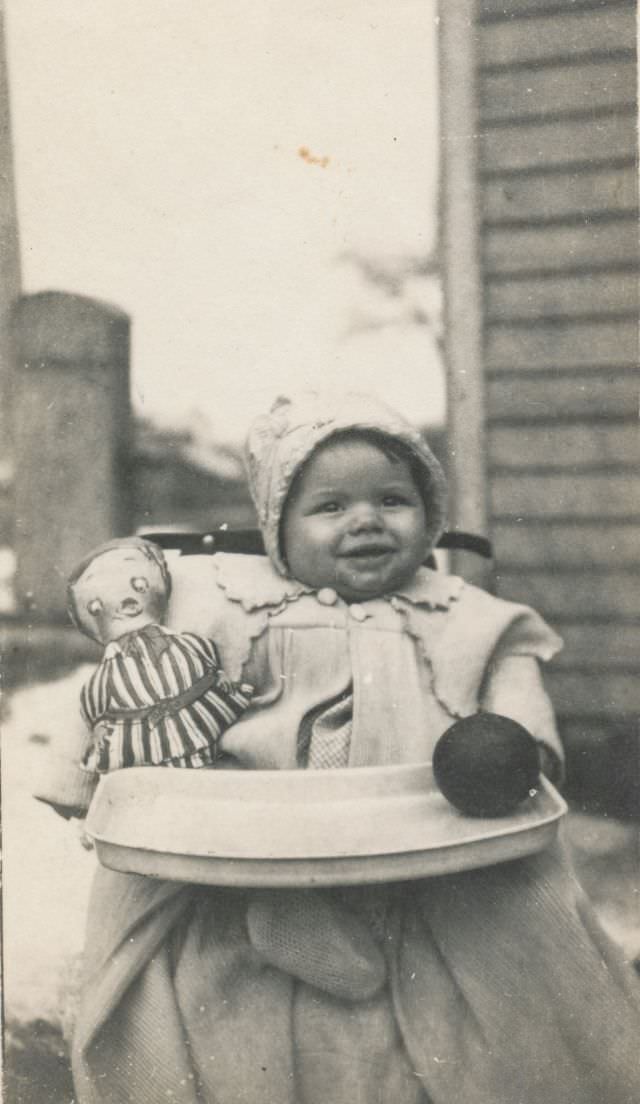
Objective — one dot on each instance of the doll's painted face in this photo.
(120, 590)
(355, 521)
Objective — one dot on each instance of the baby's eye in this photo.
(394, 500)
(139, 584)
(329, 508)
(94, 607)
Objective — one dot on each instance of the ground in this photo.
(46, 884)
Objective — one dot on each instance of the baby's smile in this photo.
(368, 552)
(366, 558)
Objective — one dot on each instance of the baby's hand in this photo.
(84, 838)
(102, 729)
(550, 764)
(224, 682)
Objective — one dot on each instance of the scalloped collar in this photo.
(253, 582)
(432, 589)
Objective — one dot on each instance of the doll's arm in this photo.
(60, 780)
(64, 785)
(514, 688)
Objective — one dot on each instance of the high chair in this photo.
(287, 828)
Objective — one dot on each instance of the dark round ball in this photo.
(486, 764)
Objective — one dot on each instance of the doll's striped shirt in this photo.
(144, 675)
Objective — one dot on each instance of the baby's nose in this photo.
(365, 516)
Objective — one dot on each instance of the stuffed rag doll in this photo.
(157, 697)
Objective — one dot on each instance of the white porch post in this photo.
(460, 256)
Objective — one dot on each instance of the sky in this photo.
(212, 168)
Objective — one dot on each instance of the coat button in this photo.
(327, 596)
(357, 612)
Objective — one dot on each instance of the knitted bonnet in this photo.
(281, 441)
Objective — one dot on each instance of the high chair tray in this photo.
(303, 828)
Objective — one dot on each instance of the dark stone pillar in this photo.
(72, 438)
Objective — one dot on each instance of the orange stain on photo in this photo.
(311, 159)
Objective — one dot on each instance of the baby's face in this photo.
(121, 590)
(355, 521)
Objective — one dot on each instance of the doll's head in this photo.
(119, 587)
(348, 494)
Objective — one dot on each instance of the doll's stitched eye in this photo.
(139, 584)
(94, 607)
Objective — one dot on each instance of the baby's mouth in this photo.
(368, 552)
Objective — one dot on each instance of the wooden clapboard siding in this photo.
(521, 398)
(499, 10)
(584, 447)
(558, 194)
(565, 495)
(567, 35)
(562, 344)
(606, 594)
(574, 543)
(609, 693)
(561, 142)
(574, 195)
(593, 730)
(511, 250)
(582, 295)
(599, 645)
(532, 93)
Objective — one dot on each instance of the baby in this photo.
(157, 697)
(489, 986)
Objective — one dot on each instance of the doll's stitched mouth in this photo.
(130, 607)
